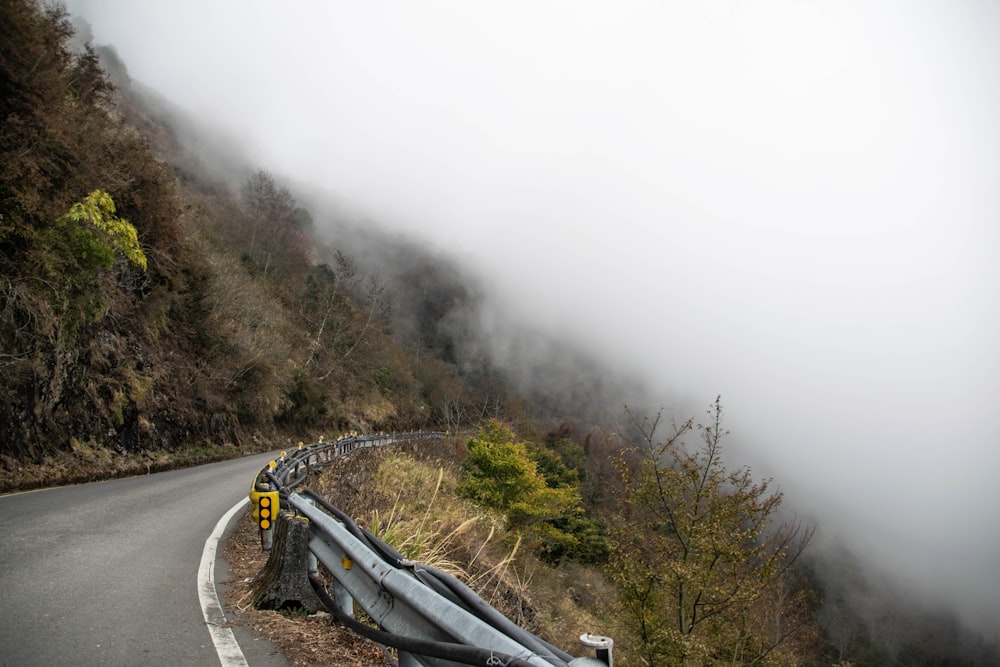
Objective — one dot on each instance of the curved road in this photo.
(107, 573)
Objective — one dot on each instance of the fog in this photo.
(794, 205)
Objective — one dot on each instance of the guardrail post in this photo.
(341, 596)
(266, 539)
(313, 561)
(343, 599)
(264, 507)
(601, 645)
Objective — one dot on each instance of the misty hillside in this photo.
(240, 323)
(243, 321)
(164, 302)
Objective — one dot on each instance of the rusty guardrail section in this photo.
(430, 617)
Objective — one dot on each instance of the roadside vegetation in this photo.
(682, 561)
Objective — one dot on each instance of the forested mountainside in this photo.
(221, 317)
(157, 311)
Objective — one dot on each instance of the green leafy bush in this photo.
(535, 491)
(504, 476)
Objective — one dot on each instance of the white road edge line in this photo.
(226, 646)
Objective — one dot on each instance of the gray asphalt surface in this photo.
(106, 573)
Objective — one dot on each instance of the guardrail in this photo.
(430, 617)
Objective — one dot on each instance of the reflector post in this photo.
(264, 506)
(264, 515)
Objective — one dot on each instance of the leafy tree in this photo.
(554, 471)
(696, 555)
(113, 234)
(75, 254)
(570, 453)
(539, 495)
(503, 476)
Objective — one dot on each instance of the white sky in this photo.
(793, 204)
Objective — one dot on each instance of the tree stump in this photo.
(284, 581)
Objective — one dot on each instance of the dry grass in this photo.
(427, 523)
(88, 462)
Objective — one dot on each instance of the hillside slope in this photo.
(239, 323)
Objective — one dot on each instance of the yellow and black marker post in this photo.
(265, 505)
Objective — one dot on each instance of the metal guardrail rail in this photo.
(431, 618)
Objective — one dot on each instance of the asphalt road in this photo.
(106, 573)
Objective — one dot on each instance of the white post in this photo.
(602, 647)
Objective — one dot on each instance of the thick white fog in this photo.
(795, 205)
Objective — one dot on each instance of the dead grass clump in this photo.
(572, 599)
(426, 522)
(86, 461)
(347, 485)
(430, 523)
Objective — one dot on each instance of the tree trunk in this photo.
(284, 581)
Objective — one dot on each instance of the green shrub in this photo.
(535, 491)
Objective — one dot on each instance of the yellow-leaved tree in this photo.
(96, 233)
(76, 253)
